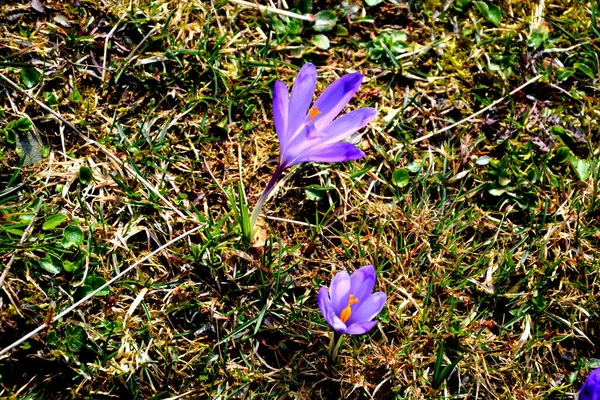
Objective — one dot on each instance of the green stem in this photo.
(334, 346)
(263, 197)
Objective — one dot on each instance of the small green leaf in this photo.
(321, 41)
(92, 283)
(51, 264)
(414, 167)
(324, 21)
(85, 175)
(585, 69)
(400, 177)
(316, 192)
(483, 8)
(54, 221)
(562, 154)
(558, 130)
(581, 168)
(30, 76)
(490, 12)
(69, 266)
(50, 98)
(496, 191)
(372, 3)
(23, 124)
(76, 337)
(74, 96)
(564, 73)
(10, 136)
(341, 30)
(72, 237)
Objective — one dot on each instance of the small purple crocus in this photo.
(313, 133)
(349, 305)
(591, 387)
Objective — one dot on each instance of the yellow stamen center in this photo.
(346, 312)
(313, 112)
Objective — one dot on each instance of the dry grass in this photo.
(488, 253)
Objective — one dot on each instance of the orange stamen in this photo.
(346, 312)
(313, 112)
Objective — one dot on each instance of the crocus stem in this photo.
(263, 197)
(334, 346)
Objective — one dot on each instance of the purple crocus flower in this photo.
(314, 133)
(348, 306)
(591, 387)
(311, 133)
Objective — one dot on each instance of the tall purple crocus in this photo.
(349, 305)
(591, 388)
(313, 133)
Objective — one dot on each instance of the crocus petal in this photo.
(362, 283)
(333, 99)
(591, 388)
(324, 303)
(336, 323)
(333, 152)
(368, 309)
(301, 97)
(348, 124)
(360, 327)
(280, 112)
(339, 291)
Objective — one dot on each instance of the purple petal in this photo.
(336, 323)
(296, 145)
(333, 99)
(333, 152)
(362, 283)
(324, 303)
(348, 124)
(360, 327)
(339, 291)
(302, 95)
(368, 309)
(591, 388)
(280, 112)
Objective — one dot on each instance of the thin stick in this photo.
(114, 158)
(26, 234)
(132, 54)
(447, 128)
(90, 295)
(307, 17)
(108, 37)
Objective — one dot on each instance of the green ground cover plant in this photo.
(136, 138)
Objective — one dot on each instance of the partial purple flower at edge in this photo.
(591, 388)
(312, 133)
(348, 306)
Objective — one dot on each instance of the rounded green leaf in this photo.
(72, 236)
(324, 21)
(400, 177)
(562, 154)
(85, 175)
(30, 76)
(76, 337)
(23, 124)
(92, 283)
(51, 264)
(321, 41)
(581, 168)
(316, 192)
